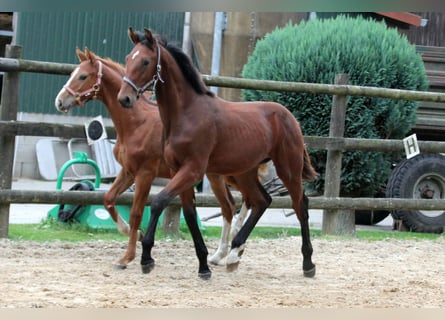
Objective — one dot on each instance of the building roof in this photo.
(405, 17)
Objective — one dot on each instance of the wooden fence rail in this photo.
(27, 128)
(206, 200)
(11, 128)
(331, 89)
(8, 64)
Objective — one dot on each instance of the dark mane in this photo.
(184, 62)
(189, 71)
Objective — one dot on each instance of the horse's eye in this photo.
(83, 77)
(146, 62)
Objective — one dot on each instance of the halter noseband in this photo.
(94, 89)
(152, 82)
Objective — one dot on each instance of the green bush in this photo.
(373, 55)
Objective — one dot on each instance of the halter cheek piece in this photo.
(94, 89)
(152, 83)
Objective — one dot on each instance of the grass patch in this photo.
(377, 235)
(51, 230)
(366, 235)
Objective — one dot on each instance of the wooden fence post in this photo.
(171, 220)
(337, 222)
(8, 112)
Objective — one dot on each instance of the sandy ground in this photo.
(350, 273)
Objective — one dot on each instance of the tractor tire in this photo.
(421, 177)
(371, 217)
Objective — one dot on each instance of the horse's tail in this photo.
(309, 172)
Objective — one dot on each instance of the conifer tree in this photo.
(373, 55)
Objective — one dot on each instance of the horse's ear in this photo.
(149, 36)
(90, 55)
(133, 36)
(81, 55)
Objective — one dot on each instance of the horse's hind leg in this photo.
(237, 223)
(294, 185)
(258, 200)
(227, 203)
(306, 249)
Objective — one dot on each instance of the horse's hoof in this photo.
(309, 273)
(231, 267)
(233, 259)
(216, 261)
(146, 268)
(213, 262)
(205, 275)
(120, 267)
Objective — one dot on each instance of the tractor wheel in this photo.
(371, 217)
(421, 177)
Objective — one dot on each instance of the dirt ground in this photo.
(350, 273)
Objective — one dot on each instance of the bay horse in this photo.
(204, 134)
(138, 148)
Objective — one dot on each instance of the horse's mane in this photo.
(184, 62)
(113, 65)
(189, 71)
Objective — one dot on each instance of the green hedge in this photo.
(373, 55)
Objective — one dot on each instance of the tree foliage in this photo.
(373, 55)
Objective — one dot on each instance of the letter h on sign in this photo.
(411, 146)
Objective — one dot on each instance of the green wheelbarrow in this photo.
(93, 216)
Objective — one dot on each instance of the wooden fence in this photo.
(338, 214)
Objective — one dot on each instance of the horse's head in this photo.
(83, 84)
(143, 67)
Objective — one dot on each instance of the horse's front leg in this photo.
(159, 203)
(191, 218)
(142, 190)
(181, 183)
(122, 182)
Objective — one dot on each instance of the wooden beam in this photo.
(8, 112)
(207, 200)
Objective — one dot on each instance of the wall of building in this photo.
(430, 35)
(243, 30)
(54, 36)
